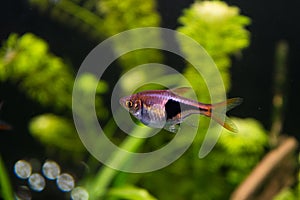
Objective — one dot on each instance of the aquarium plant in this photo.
(27, 62)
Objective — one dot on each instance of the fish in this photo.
(168, 109)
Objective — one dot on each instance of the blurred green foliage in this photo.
(133, 14)
(47, 79)
(288, 194)
(102, 19)
(129, 192)
(56, 132)
(293, 192)
(215, 176)
(27, 62)
(6, 191)
(219, 28)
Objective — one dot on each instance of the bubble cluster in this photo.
(37, 182)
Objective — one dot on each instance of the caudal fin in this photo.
(219, 113)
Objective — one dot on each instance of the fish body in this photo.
(166, 109)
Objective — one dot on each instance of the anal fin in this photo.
(172, 128)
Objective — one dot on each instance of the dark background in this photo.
(252, 74)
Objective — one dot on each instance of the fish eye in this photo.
(129, 104)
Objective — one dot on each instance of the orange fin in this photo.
(227, 123)
(220, 110)
(233, 102)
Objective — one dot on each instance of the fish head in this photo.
(132, 104)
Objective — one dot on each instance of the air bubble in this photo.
(36, 182)
(23, 169)
(65, 182)
(51, 170)
(79, 193)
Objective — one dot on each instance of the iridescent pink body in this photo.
(165, 109)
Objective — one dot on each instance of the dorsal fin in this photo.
(180, 90)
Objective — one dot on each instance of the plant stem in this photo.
(103, 178)
(279, 98)
(5, 187)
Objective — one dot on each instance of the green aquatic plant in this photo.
(56, 132)
(6, 191)
(216, 175)
(126, 15)
(26, 60)
(220, 29)
(102, 19)
(47, 79)
(130, 193)
(291, 193)
(244, 149)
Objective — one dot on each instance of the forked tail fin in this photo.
(220, 109)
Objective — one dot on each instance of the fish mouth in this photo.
(123, 100)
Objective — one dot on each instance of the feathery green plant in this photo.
(105, 18)
(220, 29)
(45, 78)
